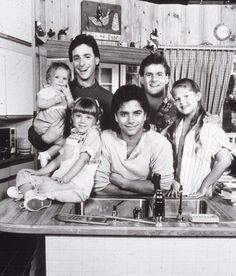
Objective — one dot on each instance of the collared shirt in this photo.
(153, 154)
(197, 158)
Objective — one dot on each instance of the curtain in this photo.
(209, 68)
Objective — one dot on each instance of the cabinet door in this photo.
(16, 95)
(4, 178)
(3, 105)
(3, 189)
(108, 76)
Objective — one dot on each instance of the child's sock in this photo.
(44, 157)
(13, 192)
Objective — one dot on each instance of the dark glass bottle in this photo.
(158, 198)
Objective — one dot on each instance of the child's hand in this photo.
(174, 189)
(212, 119)
(63, 180)
(66, 91)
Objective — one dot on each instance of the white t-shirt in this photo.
(153, 154)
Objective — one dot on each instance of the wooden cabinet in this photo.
(17, 59)
(16, 78)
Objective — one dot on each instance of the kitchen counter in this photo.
(13, 219)
(168, 249)
(16, 159)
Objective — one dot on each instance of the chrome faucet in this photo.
(114, 208)
(158, 199)
(180, 209)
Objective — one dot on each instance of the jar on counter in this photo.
(23, 146)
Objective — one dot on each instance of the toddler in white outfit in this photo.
(53, 102)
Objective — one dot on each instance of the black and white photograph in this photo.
(117, 137)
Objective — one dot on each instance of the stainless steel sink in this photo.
(189, 206)
(126, 206)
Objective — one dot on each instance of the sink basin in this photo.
(104, 206)
(125, 207)
(189, 206)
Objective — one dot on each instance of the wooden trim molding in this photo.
(17, 40)
(113, 54)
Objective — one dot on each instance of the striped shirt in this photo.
(197, 158)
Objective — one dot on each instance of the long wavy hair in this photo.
(198, 117)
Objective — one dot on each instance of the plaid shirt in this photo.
(164, 116)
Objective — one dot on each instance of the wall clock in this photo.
(222, 32)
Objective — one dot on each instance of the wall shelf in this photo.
(109, 54)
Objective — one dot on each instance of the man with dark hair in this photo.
(133, 152)
(85, 56)
(155, 74)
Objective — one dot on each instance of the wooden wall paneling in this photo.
(183, 27)
(133, 21)
(192, 25)
(127, 20)
(48, 15)
(176, 24)
(161, 25)
(211, 17)
(74, 18)
(54, 15)
(228, 16)
(157, 18)
(64, 15)
(148, 23)
(57, 14)
(172, 22)
(39, 12)
(126, 29)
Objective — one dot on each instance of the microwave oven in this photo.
(8, 138)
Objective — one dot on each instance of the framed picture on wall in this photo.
(101, 20)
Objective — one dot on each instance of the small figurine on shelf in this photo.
(62, 34)
(51, 34)
(152, 43)
(40, 34)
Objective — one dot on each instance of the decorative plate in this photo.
(222, 32)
